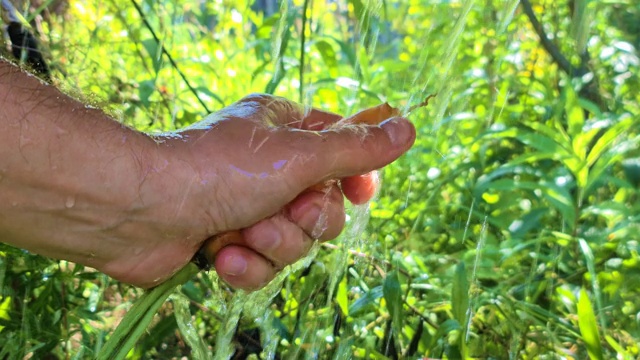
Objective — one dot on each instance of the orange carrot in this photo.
(371, 116)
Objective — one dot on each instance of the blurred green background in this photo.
(509, 231)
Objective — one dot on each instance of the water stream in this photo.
(315, 335)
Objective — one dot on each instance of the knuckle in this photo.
(260, 98)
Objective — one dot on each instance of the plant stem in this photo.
(140, 315)
(173, 63)
(303, 40)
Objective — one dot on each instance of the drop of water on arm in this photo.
(70, 202)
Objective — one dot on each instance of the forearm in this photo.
(61, 163)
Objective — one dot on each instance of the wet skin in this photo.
(76, 185)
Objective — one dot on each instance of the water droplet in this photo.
(70, 202)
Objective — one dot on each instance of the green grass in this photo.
(509, 231)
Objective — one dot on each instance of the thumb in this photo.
(356, 150)
(342, 152)
(279, 164)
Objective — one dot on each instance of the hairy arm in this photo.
(49, 200)
(77, 185)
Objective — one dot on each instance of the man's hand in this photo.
(76, 185)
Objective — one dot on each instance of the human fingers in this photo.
(265, 169)
(274, 243)
(319, 211)
(243, 268)
(314, 215)
(360, 188)
(355, 150)
(279, 240)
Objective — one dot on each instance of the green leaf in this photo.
(575, 114)
(519, 228)
(364, 65)
(590, 261)
(282, 37)
(598, 171)
(618, 348)
(347, 50)
(145, 89)
(5, 307)
(460, 294)
(581, 24)
(328, 54)
(134, 323)
(506, 15)
(589, 327)
(509, 171)
(444, 329)
(358, 8)
(205, 90)
(631, 168)
(540, 142)
(345, 349)
(368, 300)
(265, 31)
(557, 133)
(558, 196)
(561, 199)
(581, 142)
(382, 213)
(608, 209)
(393, 296)
(607, 139)
(342, 296)
(155, 53)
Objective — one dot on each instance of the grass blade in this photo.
(460, 303)
(393, 296)
(589, 326)
(138, 318)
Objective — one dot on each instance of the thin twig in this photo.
(551, 48)
(122, 19)
(164, 51)
(590, 91)
(371, 258)
(422, 104)
(303, 40)
(383, 274)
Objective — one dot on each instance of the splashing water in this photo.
(199, 349)
(315, 336)
(314, 309)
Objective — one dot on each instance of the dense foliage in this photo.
(510, 230)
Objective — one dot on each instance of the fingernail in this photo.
(397, 129)
(235, 265)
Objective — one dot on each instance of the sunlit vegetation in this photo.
(510, 230)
